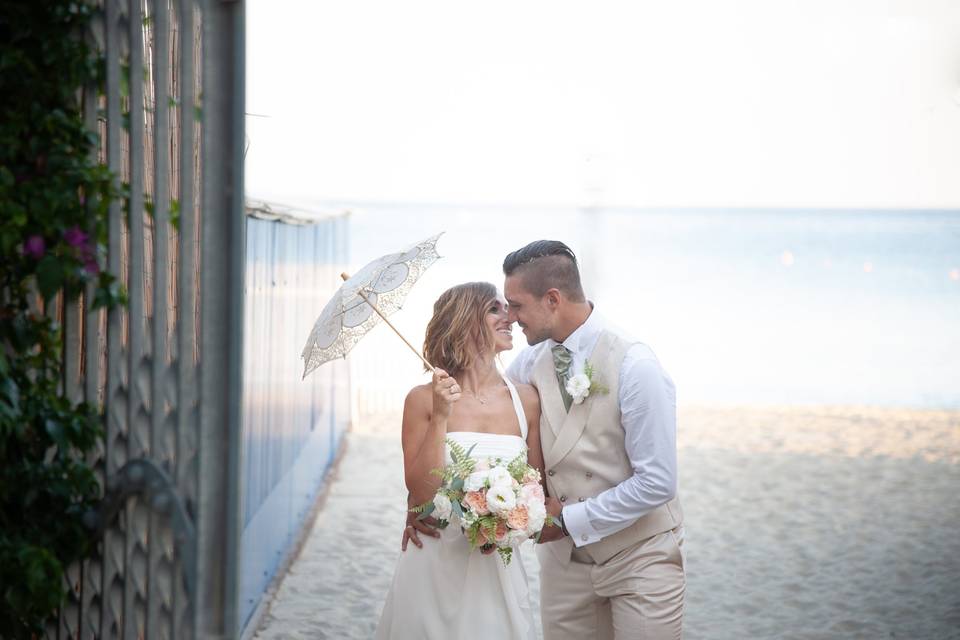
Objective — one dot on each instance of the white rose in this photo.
(578, 387)
(441, 507)
(500, 477)
(536, 516)
(501, 499)
(476, 480)
(530, 493)
(483, 464)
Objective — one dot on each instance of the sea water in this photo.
(741, 306)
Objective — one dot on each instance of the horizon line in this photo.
(299, 201)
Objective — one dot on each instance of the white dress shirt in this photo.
(648, 408)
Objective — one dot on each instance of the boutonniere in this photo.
(583, 384)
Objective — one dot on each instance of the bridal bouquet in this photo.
(497, 502)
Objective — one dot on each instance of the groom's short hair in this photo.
(544, 265)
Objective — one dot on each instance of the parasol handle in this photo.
(346, 277)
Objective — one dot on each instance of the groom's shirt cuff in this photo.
(578, 524)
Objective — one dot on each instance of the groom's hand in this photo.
(427, 527)
(553, 532)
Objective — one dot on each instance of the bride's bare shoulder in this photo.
(419, 397)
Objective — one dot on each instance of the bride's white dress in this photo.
(445, 590)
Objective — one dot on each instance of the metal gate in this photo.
(166, 369)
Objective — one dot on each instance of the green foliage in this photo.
(549, 521)
(596, 386)
(455, 506)
(462, 465)
(424, 510)
(54, 199)
(517, 468)
(421, 508)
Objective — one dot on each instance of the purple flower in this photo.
(34, 247)
(87, 253)
(75, 237)
(91, 267)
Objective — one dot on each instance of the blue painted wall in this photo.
(292, 428)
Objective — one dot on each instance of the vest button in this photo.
(584, 537)
(579, 499)
(589, 474)
(563, 498)
(550, 472)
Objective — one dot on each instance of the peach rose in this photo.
(501, 531)
(518, 518)
(477, 501)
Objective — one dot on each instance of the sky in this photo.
(523, 117)
(693, 103)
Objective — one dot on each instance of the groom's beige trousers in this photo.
(637, 594)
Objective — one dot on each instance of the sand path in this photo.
(801, 523)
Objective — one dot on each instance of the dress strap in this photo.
(517, 406)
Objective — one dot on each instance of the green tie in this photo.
(562, 359)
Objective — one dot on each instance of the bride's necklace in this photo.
(478, 396)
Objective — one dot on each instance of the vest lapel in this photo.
(551, 402)
(576, 420)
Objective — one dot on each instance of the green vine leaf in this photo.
(49, 276)
(54, 202)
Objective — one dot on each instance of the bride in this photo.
(442, 589)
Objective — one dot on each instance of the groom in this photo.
(614, 566)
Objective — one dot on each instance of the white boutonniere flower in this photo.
(578, 387)
(583, 384)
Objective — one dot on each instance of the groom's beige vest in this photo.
(584, 451)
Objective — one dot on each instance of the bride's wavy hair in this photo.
(456, 333)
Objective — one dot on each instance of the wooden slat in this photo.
(116, 454)
(71, 350)
(186, 323)
(91, 347)
(138, 443)
(161, 220)
(113, 567)
(71, 618)
(34, 300)
(137, 423)
(136, 289)
(52, 307)
(157, 569)
(91, 577)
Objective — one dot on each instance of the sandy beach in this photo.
(801, 523)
